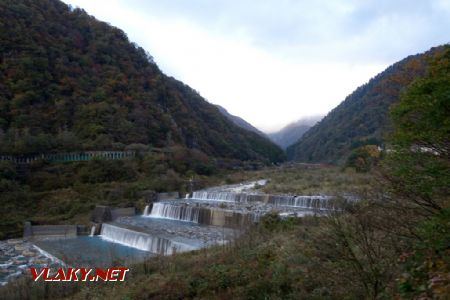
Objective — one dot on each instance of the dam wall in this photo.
(141, 240)
(308, 202)
(50, 230)
(102, 213)
(167, 196)
(200, 215)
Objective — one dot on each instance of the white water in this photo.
(175, 212)
(240, 188)
(312, 202)
(6, 265)
(51, 257)
(219, 196)
(202, 215)
(92, 231)
(141, 240)
(146, 210)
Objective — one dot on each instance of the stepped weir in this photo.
(142, 240)
(171, 225)
(237, 206)
(307, 202)
(200, 215)
(220, 196)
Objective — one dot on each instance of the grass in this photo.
(303, 179)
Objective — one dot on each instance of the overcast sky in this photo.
(272, 62)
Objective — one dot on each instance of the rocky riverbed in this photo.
(18, 255)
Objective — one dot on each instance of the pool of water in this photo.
(86, 251)
(98, 251)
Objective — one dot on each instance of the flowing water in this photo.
(142, 240)
(146, 210)
(212, 216)
(92, 231)
(175, 212)
(85, 251)
(219, 196)
(308, 202)
(189, 211)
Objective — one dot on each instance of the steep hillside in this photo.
(70, 82)
(291, 133)
(362, 118)
(240, 122)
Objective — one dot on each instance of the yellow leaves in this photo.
(372, 150)
(440, 285)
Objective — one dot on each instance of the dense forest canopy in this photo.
(363, 117)
(240, 122)
(420, 144)
(70, 82)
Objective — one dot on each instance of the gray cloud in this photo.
(277, 55)
(382, 30)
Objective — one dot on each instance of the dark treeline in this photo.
(69, 82)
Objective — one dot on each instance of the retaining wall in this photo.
(50, 230)
(168, 196)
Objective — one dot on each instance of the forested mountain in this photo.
(240, 122)
(363, 117)
(291, 133)
(70, 82)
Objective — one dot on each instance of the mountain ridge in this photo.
(292, 132)
(240, 122)
(362, 118)
(69, 81)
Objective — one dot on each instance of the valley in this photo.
(107, 161)
(219, 217)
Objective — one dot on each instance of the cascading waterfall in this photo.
(147, 207)
(316, 202)
(310, 202)
(201, 215)
(175, 212)
(141, 240)
(92, 231)
(219, 196)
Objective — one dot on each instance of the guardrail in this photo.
(69, 157)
